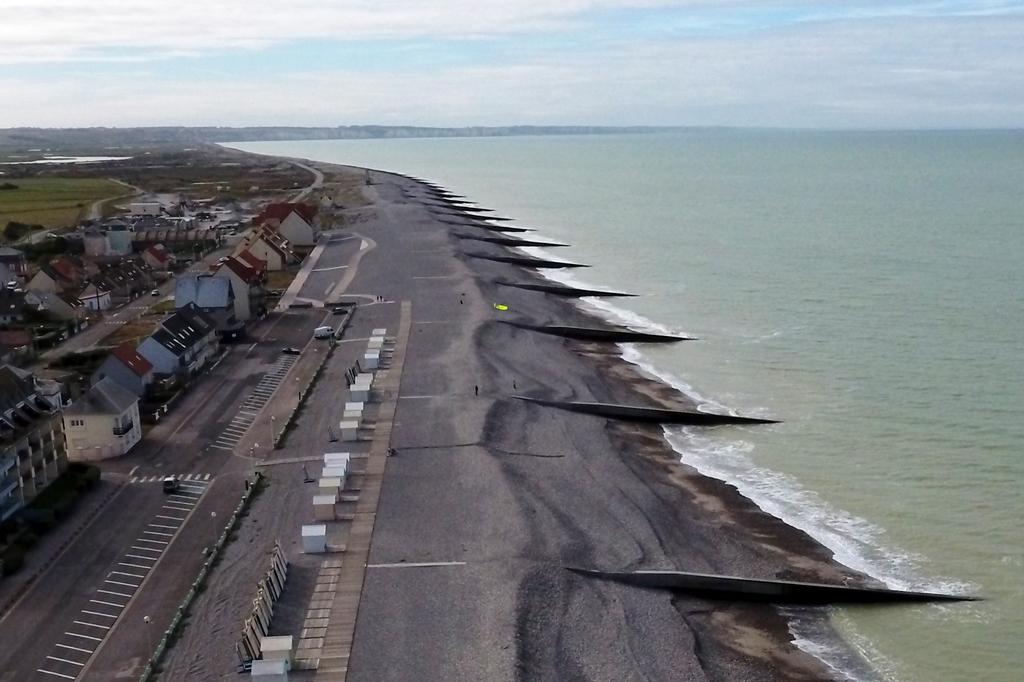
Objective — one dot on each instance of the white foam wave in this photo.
(855, 541)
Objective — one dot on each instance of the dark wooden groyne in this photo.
(509, 241)
(527, 262)
(647, 414)
(562, 290)
(484, 226)
(711, 586)
(620, 335)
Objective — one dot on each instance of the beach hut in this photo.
(360, 392)
(336, 459)
(269, 671)
(330, 486)
(371, 359)
(379, 331)
(335, 472)
(323, 507)
(349, 430)
(277, 648)
(314, 538)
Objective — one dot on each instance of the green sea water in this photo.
(867, 288)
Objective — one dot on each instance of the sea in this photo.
(865, 287)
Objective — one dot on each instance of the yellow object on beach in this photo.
(500, 306)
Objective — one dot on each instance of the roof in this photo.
(16, 387)
(130, 358)
(250, 259)
(184, 329)
(8, 252)
(15, 338)
(203, 290)
(159, 251)
(282, 209)
(105, 397)
(245, 272)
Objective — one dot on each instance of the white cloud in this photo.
(896, 72)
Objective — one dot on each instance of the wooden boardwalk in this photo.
(340, 583)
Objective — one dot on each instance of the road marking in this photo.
(155, 542)
(221, 447)
(130, 575)
(177, 506)
(105, 603)
(50, 672)
(101, 627)
(170, 518)
(161, 525)
(143, 558)
(426, 564)
(116, 594)
(156, 532)
(206, 477)
(75, 648)
(75, 634)
(97, 613)
(66, 660)
(115, 582)
(146, 568)
(188, 496)
(146, 549)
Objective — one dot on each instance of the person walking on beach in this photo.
(476, 390)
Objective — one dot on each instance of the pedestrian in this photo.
(514, 387)
(476, 390)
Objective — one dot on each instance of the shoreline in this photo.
(759, 544)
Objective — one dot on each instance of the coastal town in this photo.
(268, 429)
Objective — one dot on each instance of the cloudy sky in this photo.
(830, 63)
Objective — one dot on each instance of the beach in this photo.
(500, 497)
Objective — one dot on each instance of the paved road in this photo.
(318, 181)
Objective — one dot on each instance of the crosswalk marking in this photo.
(194, 477)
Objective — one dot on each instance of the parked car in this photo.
(323, 333)
(290, 350)
(155, 292)
(170, 484)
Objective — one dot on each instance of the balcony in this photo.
(8, 485)
(124, 430)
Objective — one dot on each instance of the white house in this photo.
(102, 423)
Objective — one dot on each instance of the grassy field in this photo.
(52, 202)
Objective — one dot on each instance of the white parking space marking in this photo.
(155, 542)
(145, 568)
(156, 532)
(92, 625)
(97, 613)
(89, 637)
(116, 594)
(50, 672)
(107, 603)
(117, 582)
(75, 648)
(65, 660)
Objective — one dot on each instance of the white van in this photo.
(323, 333)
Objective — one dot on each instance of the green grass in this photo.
(53, 202)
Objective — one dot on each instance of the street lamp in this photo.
(272, 420)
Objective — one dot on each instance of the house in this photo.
(63, 273)
(95, 243)
(129, 369)
(19, 343)
(63, 307)
(95, 297)
(247, 284)
(12, 306)
(32, 449)
(14, 260)
(294, 222)
(267, 245)
(103, 423)
(183, 345)
(212, 295)
(8, 276)
(158, 257)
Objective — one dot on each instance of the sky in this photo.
(767, 63)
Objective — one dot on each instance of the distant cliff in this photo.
(106, 138)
